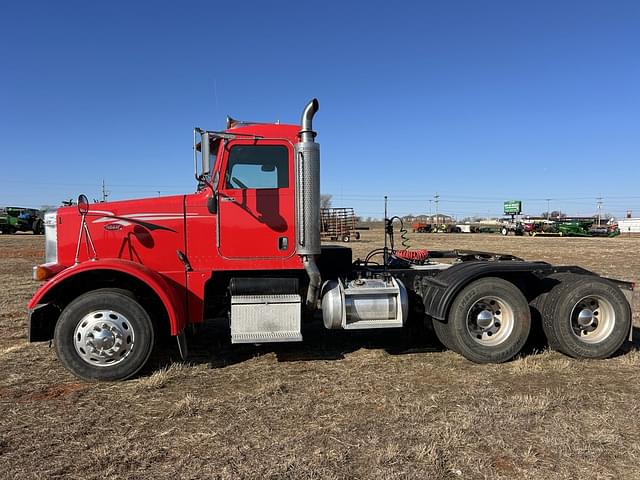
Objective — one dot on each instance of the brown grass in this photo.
(339, 405)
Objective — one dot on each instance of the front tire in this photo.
(104, 335)
(489, 321)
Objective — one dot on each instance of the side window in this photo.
(257, 166)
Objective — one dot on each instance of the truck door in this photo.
(256, 200)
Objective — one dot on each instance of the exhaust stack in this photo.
(307, 153)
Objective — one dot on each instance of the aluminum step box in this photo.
(266, 318)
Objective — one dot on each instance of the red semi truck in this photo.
(247, 243)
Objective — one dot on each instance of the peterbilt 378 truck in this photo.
(247, 243)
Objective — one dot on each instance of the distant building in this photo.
(629, 225)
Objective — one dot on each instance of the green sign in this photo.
(513, 207)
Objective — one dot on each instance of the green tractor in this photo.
(19, 219)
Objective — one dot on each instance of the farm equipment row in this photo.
(540, 228)
(571, 228)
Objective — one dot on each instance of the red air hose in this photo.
(412, 255)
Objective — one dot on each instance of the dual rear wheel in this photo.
(583, 316)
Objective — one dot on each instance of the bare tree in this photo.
(554, 214)
(325, 200)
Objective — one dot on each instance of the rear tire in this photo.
(38, 227)
(591, 317)
(490, 321)
(543, 303)
(104, 335)
(443, 332)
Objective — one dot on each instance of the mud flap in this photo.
(42, 322)
(628, 293)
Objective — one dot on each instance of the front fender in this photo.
(173, 303)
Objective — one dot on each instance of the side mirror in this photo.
(204, 149)
(83, 204)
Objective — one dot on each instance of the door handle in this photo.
(227, 199)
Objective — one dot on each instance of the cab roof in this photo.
(266, 130)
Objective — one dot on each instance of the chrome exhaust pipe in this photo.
(306, 122)
(315, 279)
(307, 153)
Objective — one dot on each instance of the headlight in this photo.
(51, 237)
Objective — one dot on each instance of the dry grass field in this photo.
(339, 405)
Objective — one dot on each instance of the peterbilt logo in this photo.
(113, 226)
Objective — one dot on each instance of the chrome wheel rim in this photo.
(490, 321)
(104, 338)
(593, 319)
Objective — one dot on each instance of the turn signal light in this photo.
(46, 271)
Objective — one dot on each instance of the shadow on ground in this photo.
(210, 344)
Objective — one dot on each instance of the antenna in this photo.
(105, 193)
(385, 235)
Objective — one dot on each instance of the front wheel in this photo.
(489, 321)
(504, 231)
(104, 335)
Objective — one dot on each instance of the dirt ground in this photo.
(339, 405)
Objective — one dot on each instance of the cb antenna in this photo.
(385, 250)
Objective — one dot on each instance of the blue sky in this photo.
(479, 101)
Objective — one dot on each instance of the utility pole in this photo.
(437, 199)
(599, 205)
(105, 194)
(430, 205)
(548, 208)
